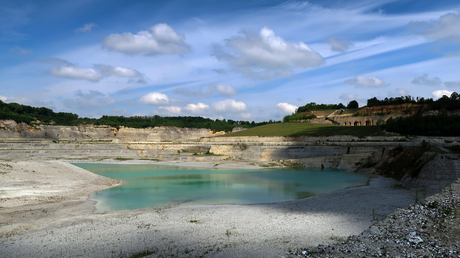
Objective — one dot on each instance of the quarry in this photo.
(37, 157)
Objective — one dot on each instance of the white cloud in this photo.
(229, 105)
(339, 45)
(155, 98)
(3, 98)
(362, 81)
(426, 80)
(439, 93)
(286, 108)
(161, 39)
(74, 72)
(86, 27)
(452, 84)
(446, 27)
(266, 55)
(197, 108)
(89, 100)
(19, 50)
(172, 110)
(65, 69)
(224, 89)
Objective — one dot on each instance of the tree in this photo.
(353, 104)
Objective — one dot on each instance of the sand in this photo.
(45, 212)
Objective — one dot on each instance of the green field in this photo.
(299, 129)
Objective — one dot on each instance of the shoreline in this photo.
(256, 230)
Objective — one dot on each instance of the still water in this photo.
(157, 185)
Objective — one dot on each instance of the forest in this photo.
(41, 115)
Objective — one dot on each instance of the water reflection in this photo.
(155, 186)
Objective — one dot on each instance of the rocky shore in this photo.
(427, 229)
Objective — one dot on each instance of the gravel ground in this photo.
(427, 229)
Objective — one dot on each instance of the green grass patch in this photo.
(299, 129)
(122, 159)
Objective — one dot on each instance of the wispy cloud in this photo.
(427, 80)
(74, 72)
(339, 45)
(221, 89)
(452, 84)
(444, 28)
(90, 100)
(86, 28)
(66, 69)
(363, 81)
(21, 51)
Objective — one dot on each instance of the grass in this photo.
(300, 129)
(122, 159)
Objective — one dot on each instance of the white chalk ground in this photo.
(45, 213)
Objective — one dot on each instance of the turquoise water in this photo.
(156, 185)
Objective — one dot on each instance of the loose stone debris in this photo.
(428, 229)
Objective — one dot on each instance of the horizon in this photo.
(244, 61)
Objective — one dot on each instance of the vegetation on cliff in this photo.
(305, 112)
(443, 103)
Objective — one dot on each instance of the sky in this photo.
(241, 60)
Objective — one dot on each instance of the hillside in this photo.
(298, 129)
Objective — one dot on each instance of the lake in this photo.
(148, 186)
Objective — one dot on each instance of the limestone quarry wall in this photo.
(10, 129)
(162, 133)
(436, 174)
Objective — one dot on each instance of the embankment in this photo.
(9, 129)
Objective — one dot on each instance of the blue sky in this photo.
(240, 60)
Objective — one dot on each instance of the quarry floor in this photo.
(45, 212)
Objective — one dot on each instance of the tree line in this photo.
(432, 125)
(41, 115)
(445, 102)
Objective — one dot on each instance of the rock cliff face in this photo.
(10, 129)
(436, 174)
(162, 133)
